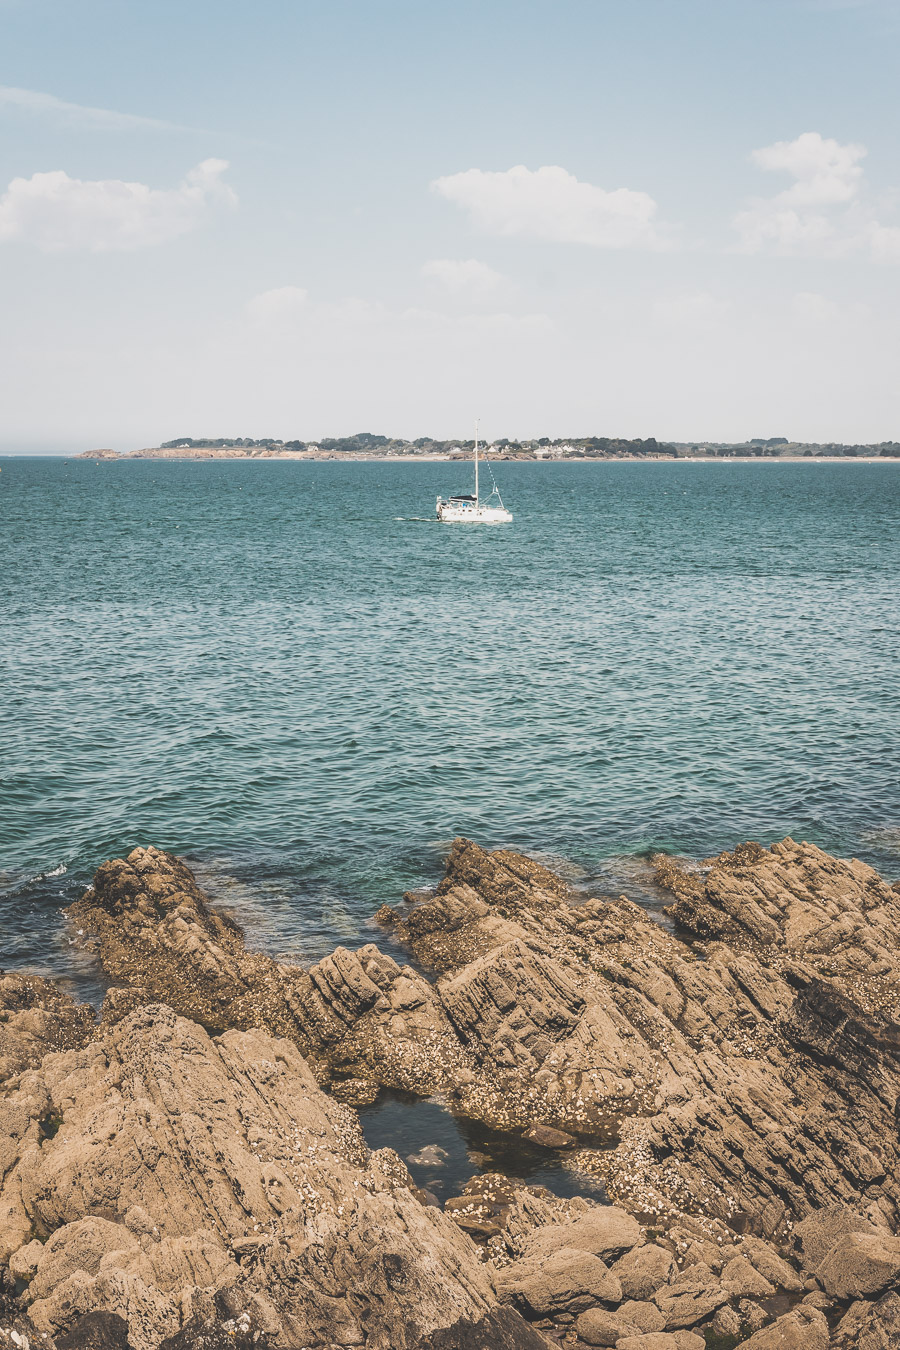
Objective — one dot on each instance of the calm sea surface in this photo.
(277, 671)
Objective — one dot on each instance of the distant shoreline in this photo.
(467, 459)
(349, 456)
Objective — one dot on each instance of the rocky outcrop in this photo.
(752, 1079)
(191, 1181)
(36, 1016)
(733, 1078)
(355, 1016)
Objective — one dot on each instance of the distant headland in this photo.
(365, 445)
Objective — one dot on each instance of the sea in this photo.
(290, 674)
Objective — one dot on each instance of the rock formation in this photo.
(188, 1179)
(36, 1016)
(187, 1172)
(752, 1078)
(356, 1016)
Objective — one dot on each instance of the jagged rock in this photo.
(355, 1015)
(566, 1281)
(801, 1329)
(500, 1329)
(860, 1265)
(760, 1080)
(814, 1237)
(870, 1326)
(644, 1270)
(192, 1181)
(36, 1016)
(662, 1340)
(840, 918)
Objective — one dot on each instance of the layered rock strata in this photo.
(734, 1078)
(752, 1071)
(188, 1181)
(751, 1079)
(356, 1016)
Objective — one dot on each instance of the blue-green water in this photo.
(271, 668)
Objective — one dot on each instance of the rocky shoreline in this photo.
(189, 1169)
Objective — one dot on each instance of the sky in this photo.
(309, 218)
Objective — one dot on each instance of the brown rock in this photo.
(814, 1237)
(860, 1265)
(644, 1270)
(500, 1329)
(764, 1077)
(37, 1017)
(547, 1137)
(646, 1316)
(689, 1302)
(763, 1257)
(726, 1321)
(566, 1281)
(663, 1340)
(356, 1015)
(870, 1326)
(605, 1231)
(801, 1329)
(753, 1087)
(187, 1175)
(754, 1314)
(599, 1327)
(743, 1280)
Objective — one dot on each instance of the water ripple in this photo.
(268, 667)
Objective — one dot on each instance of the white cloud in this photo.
(47, 105)
(57, 213)
(284, 302)
(695, 312)
(884, 241)
(825, 171)
(463, 275)
(812, 308)
(552, 204)
(824, 212)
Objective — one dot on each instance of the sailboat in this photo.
(469, 509)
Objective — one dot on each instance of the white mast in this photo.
(476, 463)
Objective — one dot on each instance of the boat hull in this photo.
(474, 515)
